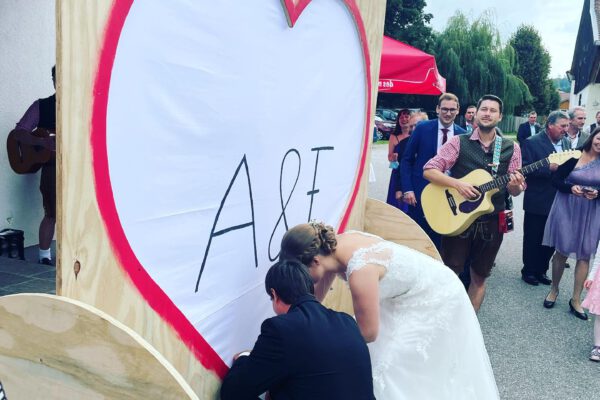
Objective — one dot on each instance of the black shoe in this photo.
(567, 265)
(543, 279)
(548, 303)
(530, 279)
(580, 315)
(45, 261)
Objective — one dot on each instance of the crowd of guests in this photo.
(561, 206)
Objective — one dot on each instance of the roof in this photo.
(585, 67)
(595, 15)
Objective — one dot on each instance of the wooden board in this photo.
(52, 347)
(389, 223)
(87, 268)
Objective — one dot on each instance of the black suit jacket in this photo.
(540, 191)
(311, 352)
(525, 131)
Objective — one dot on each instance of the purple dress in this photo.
(573, 226)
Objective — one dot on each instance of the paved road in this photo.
(535, 353)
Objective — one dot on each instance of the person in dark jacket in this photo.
(539, 197)
(529, 128)
(306, 352)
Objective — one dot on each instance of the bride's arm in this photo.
(322, 287)
(364, 286)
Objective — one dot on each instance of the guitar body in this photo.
(450, 214)
(27, 158)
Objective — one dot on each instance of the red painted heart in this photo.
(215, 127)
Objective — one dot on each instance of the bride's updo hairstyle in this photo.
(303, 242)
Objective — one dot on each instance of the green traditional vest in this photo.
(472, 156)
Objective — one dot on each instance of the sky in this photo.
(557, 22)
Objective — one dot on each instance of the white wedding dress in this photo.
(429, 344)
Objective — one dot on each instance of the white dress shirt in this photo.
(441, 134)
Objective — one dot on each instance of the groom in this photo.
(306, 352)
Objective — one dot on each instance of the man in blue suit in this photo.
(422, 145)
(306, 352)
(539, 197)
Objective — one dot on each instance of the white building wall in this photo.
(589, 98)
(27, 54)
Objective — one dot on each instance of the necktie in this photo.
(445, 135)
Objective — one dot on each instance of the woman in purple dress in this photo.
(396, 146)
(573, 226)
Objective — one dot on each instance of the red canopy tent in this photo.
(407, 70)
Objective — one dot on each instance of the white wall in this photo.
(27, 54)
(590, 99)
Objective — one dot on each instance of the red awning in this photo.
(407, 70)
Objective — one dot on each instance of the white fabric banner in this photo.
(224, 127)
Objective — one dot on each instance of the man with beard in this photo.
(483, 149)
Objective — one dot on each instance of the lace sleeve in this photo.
(378, 254)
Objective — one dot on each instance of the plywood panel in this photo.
(88, 269)
(373, 14)
(56, 348)
(387, 221)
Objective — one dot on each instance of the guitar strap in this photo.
(496, 159)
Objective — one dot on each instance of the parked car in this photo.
(384, 126)
(387, 114)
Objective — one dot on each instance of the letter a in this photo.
(214, 233)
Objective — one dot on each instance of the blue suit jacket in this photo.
(421, 147)
(311, 352)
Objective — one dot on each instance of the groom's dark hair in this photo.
(290, 279)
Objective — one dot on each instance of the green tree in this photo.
(474, 62)
(562, 83)
(533, 66)
(406, 21)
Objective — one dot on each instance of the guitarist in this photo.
(460, 155)
(539, 197)
(42, 114)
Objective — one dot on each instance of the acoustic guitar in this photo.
(450, 214)
(26, 157)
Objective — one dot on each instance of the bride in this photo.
(423, 335)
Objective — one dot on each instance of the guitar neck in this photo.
(501, 181)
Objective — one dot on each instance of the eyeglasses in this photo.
(448, 110)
